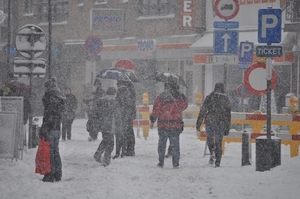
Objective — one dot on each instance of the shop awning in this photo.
(205, 43)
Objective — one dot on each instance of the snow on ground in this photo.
(139, 178)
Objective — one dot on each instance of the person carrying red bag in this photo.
(54, 102)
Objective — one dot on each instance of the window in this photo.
(156, 7)
(4, 24)
(28, 6)
(59, 10)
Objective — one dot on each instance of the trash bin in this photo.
(264, 160)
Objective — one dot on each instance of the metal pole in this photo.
(225, 75)
(8, 36)
(269, 144)
(50, 38)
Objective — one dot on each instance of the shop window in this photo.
(4, 24)
(156, 7)
(59, 11)
(28, 6)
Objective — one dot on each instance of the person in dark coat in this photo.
(167, 110)
(91, 123)
(69, 114)
(105, 116)
(216, 111)
(130, 138)
(122, 117)
(54, 103)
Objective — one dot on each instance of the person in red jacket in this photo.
(167, 110)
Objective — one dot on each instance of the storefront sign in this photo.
(146, 45)
(107, 19)
(187, 13)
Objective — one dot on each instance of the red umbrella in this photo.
(18, 88)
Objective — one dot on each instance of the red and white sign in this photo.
(126, 64)
(226, 9)
(93, 45)
(187, 14)
(255, 79)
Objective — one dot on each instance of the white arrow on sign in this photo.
(226, 37)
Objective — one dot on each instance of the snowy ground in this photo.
(139, 178)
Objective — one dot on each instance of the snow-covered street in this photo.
(139, 178)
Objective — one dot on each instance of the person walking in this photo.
(91, 125)
(167, 110)
(54, 103)
(216, 111)
(105, 117)
(123, 108)
(130, 138)
(69, 114)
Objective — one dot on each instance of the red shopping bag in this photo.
(42, 159)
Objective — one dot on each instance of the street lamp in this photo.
(296, 53)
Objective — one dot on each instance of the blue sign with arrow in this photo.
(225, 41)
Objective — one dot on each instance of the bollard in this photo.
(246, 148)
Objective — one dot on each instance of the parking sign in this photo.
(246, 52)
(269, 25)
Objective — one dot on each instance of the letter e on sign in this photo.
(187, 12)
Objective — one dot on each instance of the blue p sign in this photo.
(246, 52)
(269, 25)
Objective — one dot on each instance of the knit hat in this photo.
(111, 91)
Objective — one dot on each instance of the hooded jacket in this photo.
(215, 110)
(167, 109)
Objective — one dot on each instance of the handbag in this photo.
(42, 159)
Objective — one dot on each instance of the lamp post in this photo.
(296, 53)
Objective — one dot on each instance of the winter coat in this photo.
(105, 111)
(216, 110)
(54, 106)
(123, 108)
(132, 104)
(70, 106)
(167, 109)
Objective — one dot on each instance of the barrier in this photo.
(256, 120)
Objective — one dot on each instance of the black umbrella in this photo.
(130, 74)
(167, 77)
(111, 73)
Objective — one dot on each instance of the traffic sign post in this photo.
(226, 9)
(226, 41)
(93, 45)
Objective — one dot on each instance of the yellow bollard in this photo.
(294, 107)
(198, 99)
(145, 99)
(146, 115)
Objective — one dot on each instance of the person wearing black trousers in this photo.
(122, 117)
(69, 114)
(130, 138)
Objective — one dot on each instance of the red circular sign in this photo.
(226, 9)
(255, 79)
(126, 64)
(93, 45)
(242, 92)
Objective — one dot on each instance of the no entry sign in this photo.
(255, 79)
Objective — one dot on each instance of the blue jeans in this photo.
(56, 167)
(173, 135)
(214, 137)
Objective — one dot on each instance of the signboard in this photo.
(148, 45)
(126, 64)
(269, 25)
(243, 66)
(226, 24)
(15, 104)
(187, 14)
(228, 59)
(93, 45)
(255, 79)
(8, 126)
(107, 19)
(268, 51)
(242, 92)
(246, 52)
(226, 41)
(226, 9)
(23, 67)
(31, 39)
